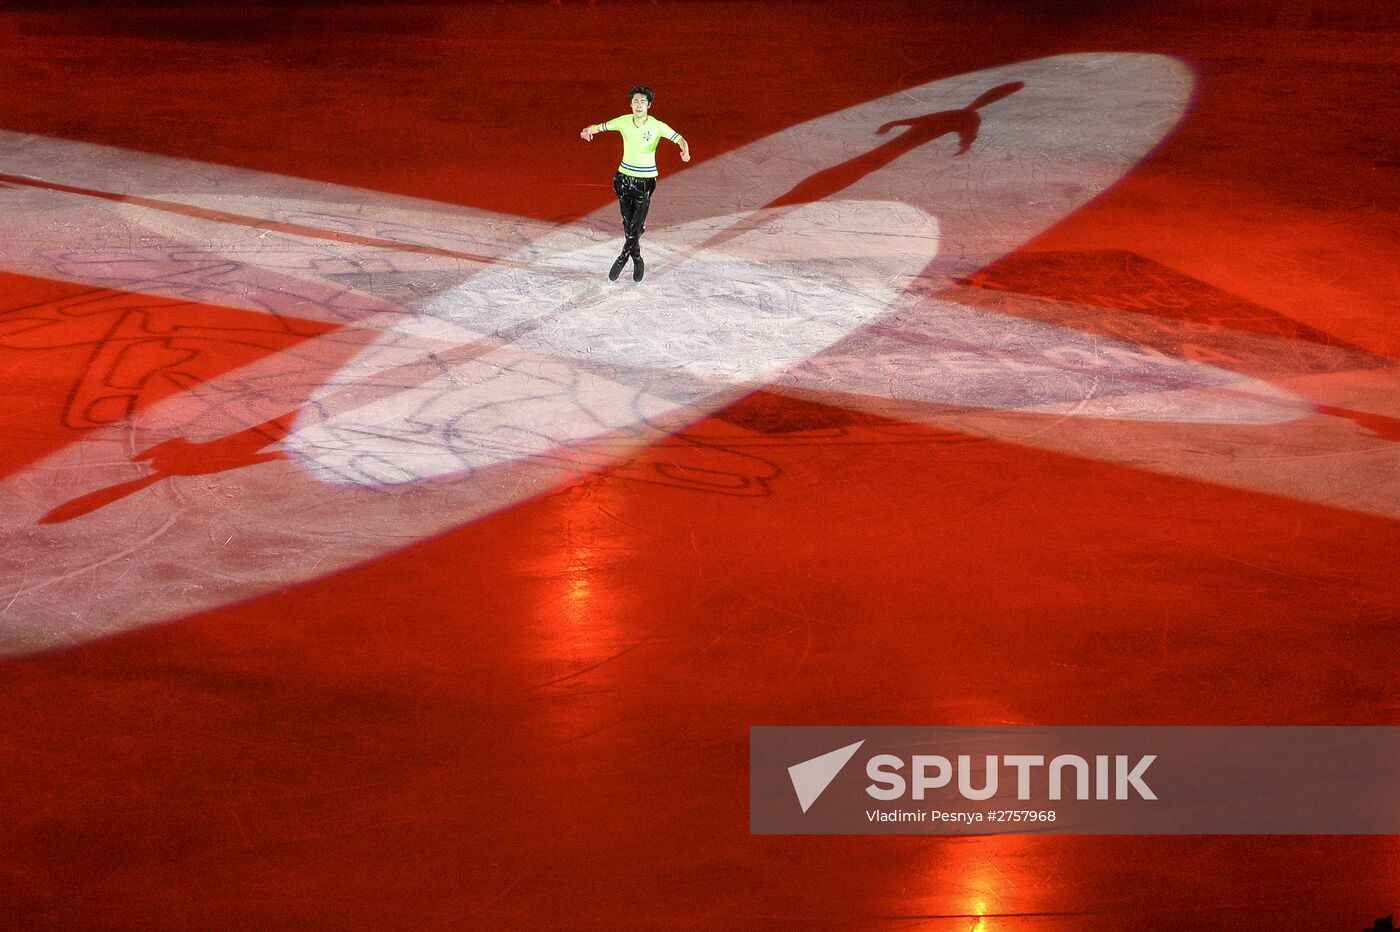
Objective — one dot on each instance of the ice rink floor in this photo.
(371, 561)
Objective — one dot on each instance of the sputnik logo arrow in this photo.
(811, 777)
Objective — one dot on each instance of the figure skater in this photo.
(636, 176)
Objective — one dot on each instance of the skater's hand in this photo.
(587, 134)
(685, 156)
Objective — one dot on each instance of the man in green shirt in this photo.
(636, 176)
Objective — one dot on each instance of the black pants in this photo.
(633, 199)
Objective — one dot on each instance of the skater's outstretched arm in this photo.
(679, 140)
(591, 130)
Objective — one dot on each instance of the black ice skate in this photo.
(617, 265)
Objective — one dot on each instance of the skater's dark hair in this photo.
(645, 91)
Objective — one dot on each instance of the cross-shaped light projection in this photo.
(430, 364)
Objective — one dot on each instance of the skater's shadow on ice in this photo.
(963, 123)
(181, 457)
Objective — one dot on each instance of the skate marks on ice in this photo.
(466, 361)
